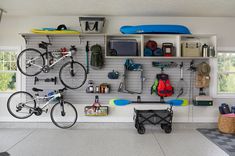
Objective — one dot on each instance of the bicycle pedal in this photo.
(46, 111)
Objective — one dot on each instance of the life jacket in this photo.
(162, 86)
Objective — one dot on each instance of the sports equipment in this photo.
(32, 62)
(22, 105)
(173, 102)
(41, 31)
(155, 29)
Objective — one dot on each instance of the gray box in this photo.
(123, 47)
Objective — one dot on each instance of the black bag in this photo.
(224, 109)
(97, 60)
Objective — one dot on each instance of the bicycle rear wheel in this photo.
(21, 104)
(64, 115)
(73, 75)
(30, 62)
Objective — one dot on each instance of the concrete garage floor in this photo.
(104, 139)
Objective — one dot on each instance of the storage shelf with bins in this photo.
(176, 40)
(112, 38)
(141, 39)
(160, 39)
(202, 39)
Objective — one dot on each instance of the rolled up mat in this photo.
(148, 52)
(158, 52)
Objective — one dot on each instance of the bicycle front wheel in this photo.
(73, 75)
(64, 115)
(30, 62)
(21, 105)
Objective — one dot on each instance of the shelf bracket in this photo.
(1, 13)
(25, 39)
(79, 37)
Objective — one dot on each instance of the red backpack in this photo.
(163, 88)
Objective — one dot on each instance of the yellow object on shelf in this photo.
(39, 31)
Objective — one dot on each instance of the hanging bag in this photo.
(97, 60)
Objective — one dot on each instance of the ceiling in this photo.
(189, 8)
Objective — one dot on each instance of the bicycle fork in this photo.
(62, 108)
(71, 67)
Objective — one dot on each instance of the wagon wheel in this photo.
(141, 129)
(168, 128)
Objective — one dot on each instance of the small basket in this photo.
(96, 109)
(226, 124)
(92, 24)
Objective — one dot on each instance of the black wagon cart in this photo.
(154, 117)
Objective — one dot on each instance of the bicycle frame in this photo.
(69, 54)
(38, 98)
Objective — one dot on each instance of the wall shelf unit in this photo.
(176, 40)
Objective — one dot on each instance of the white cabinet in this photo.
(176, 40)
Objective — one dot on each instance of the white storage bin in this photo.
(92, 24)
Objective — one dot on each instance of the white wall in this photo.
(222, 27)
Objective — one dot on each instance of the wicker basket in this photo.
(226, 124)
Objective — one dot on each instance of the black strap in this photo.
(94, 27)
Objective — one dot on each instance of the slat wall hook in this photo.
(49, 38)
(1, 13)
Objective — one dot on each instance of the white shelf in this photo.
(123, 57)
(157, 57)
(176, 39)
(35, 34)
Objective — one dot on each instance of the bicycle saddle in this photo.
(44, 45)
(37, 90)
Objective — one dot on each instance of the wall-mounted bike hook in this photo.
(49, 38)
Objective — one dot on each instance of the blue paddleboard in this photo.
(155, 29)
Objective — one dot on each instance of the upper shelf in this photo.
(178, 41)
(181, 46)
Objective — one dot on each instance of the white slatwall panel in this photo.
(79, 96)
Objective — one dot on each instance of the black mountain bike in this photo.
(22, 105)
(32, 62)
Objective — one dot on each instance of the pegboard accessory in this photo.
(53, 79)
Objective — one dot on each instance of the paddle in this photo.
(173, 102)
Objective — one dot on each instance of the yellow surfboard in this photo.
(39, 31)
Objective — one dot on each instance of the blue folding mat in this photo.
(155, 29)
